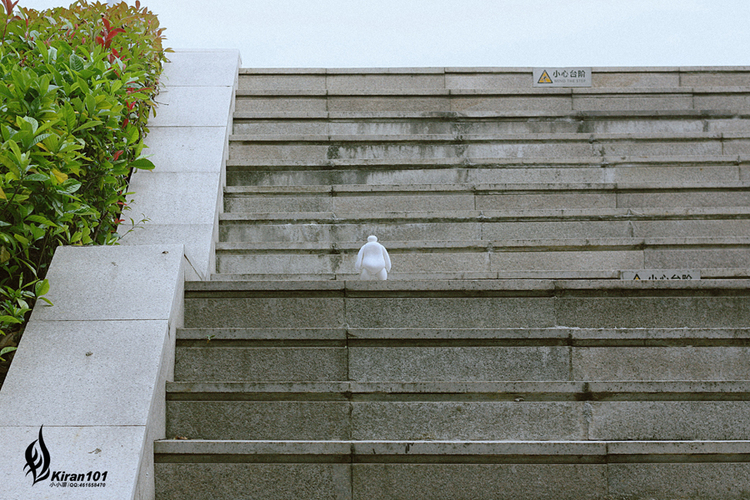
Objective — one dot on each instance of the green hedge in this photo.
(77, 86)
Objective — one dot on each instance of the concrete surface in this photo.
(181, 198)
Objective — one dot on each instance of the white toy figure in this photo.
(373, 260)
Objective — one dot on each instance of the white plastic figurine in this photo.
(373, 260)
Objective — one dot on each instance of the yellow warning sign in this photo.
(561, 77)
(545, 78)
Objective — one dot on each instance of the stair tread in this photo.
(510, 162)
(495, 114)
(706, 273)
(474, 187)
(467, 137)
(550, 244)
(596, 389)
(433, 92)
(640, 213)
(558, 332)
(458, 447)
(549, 285)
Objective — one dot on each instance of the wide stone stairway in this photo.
(504, 358)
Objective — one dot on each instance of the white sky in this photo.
(438, 33)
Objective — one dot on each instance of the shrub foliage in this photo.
(77, 86)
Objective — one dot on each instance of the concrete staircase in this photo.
(504, 358)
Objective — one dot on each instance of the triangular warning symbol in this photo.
(544, 78)
(637, 277)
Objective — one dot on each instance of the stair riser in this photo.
(500, 126)
(480, 421)
(237, 262)
(481, 78)
(241, 231)
(310, 152)
(262, 176)
(399, 481)
(431, 201)
(430, 102)
(460, 364)
(308, 364)
(257, 481)
(559, 481)
(467, 312)
(341, 82)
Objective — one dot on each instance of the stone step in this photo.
(489, 216)
(322, 148)
(468, 304)
(447, 470)
(471, 225)
(486, 391)
(462, 197)
(458, 355)
(543, 411)
(372, 79)
(728, 98)
(593, 274)
(670, 170)
(416, 257)
(488, 123)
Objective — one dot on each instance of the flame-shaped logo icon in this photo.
(37, 459)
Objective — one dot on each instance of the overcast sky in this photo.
(439, 33)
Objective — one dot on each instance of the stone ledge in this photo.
(489, 216)
(551, 115)
(202, 68)
(545, 287)
(119, 283)
(177, 107)
(589, 137)
(183, 199)
(593, 274)
(114, 449)
(446, 337)
(534, 161)
(484, 92)
(346, 189)
(447, 449)
(497, 246)
(461, 391)
(115, 313)
(111, 370)
(488, 69)
(187, 149)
